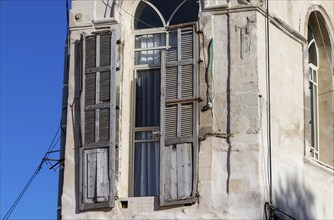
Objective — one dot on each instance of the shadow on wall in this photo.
(293, 200)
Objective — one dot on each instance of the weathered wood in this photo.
(97, 86)
(96, 175)
(102, 177)
(112, 139)
(179, 62)
(184, 170)
(171, 182)
(179, 81)
(94, 145)
(97, 171)
(163, 155)
(195, 142)
(179, 140)
(184, 25)
(82, 128)
(97, 69)
(98, 106)
(178, 166)
(182, 100)
(183, 201)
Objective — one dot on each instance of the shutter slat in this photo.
(171, 55)
(90, 53)
(104, 86)
(90, 89)
(171, 83)
(89, 127)
(170, 121)
(105, 50)
(187, 81)
(104, 124)
(186, 120)
(186, 44)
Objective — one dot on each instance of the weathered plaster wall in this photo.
(233, 171)
(302, 187)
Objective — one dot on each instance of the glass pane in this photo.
(147, 57)
(146, 169)
(173, 39)
(143, 135)
(312, 54)
(314, 116)
(309, 35)
(150, 40)
(146, 17)
(148, 98)
(187, 13)
(166, 8)
(314, 76)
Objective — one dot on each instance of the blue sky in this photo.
(32, 55)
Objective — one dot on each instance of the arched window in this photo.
(313, 70)
(157, 13)
(165, 120)
(321, 89)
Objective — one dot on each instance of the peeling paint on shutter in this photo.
(179, 121)
(97, 157)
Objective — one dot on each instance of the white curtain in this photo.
(146, 164)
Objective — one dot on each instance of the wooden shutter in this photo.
(179, 120)
(98, 96)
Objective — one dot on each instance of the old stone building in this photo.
(184, 109)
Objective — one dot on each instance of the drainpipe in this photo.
(63, 122)
(268, 85)
(63, 132)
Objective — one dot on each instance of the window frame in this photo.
(136, 68)
(166, 30)
(314, 101)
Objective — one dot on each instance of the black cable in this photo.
(52, 145)
(265, 209)
(54, 137)
(9, 212)
(285, 214)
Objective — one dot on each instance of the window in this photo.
(313, 70)
(165, 132)
(321, 90)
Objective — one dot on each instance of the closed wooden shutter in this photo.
(98, 96)
(179, 120)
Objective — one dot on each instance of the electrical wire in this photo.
(23, 191)
(268, 99)
(51, 144)
(26, 187)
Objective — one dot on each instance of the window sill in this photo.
(319, 164)
(144, 204)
